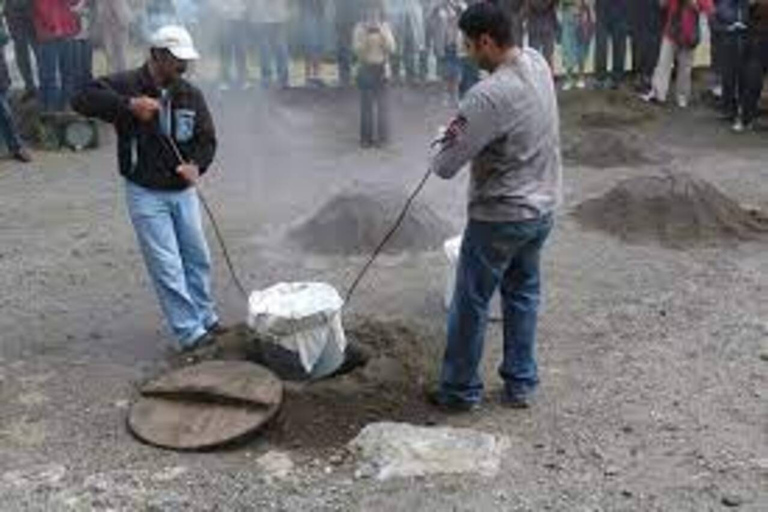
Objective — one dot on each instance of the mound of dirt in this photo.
(676, 210)
(328, 414)
(604, 149)
(355, 223)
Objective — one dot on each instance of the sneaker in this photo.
(717, 91)
(451, 406)
(22, 155)
(649, 97)
(738, 126)
(203, 349)
(518, 400)
(682, 102)
(567, 85)
(581, 84)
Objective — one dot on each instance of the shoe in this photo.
(717, 91)
(581, 84)
(649, 97)
(682, 102)
(567, 85)
(451, 406)
(738, 126)
(518, 400)
(22, 155)
(218, 330)
(202, 349)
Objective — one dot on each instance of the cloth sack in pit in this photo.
(302, 319)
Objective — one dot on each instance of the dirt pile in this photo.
(675, 210)
(327, 414)
(355, 223)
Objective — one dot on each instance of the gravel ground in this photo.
(654, 393)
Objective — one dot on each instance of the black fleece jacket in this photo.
(146, 156)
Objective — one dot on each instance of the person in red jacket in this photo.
(56, 25)
(681, 37)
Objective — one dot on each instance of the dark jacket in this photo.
(145, 156)
(730, 12)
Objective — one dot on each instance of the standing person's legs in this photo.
(684, 58)
(344, 54)
(226, 52)
(151, 213)
(601, 46)
(279, 36)
(241, 35)
(569, 43)
(195, 255)
(520, 292)
(366, 116)
(730, 71)
(382, 113)
(487, 252)
(48, 70)
(116, 46)
(663, 72)
(619, 47)
(8, 130)
(68, 71)
(265, 53)
(757, 66)
(24, 45)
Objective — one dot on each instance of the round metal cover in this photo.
(79, 134)
(206, 405)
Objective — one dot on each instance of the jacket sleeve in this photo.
(203, 149)
(105, 98)
(468, 134)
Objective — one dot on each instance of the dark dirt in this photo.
(675, 210)
(605, 149)
(325, 415)
(355, 223)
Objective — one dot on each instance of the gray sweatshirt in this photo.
(508, 126)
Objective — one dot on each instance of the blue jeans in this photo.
(58, 73)
(169, 229)
(273, 49)
(495, 254)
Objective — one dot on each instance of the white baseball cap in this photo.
(177, 40)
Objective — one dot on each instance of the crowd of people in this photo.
(373, 42)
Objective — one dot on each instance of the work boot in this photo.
(203, 349)
(448, 405)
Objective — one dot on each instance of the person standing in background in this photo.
(542, 27)
(612, 26)
(406, 18)
(8, 130)
(577, 33)
(311, 23)
(646, 31)
(681, 37)
(19, 16)
(269, 19)
(56, 26)
(444, 21)
(113, 21)
(347, 15)
(157, 14)
(757, 62)
(374, 45)
(732, 18)
(234, 32)
(83, 44)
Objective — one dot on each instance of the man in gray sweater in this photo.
(508, 128)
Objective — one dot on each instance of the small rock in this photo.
(764, 351)
(611, 471)
(336, 459)
(328, 470)
(122, 404)
(169, 474)
(732, 500)
(627, 493)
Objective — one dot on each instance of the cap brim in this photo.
(184, 53)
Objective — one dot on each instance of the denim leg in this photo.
(366, 115)
(239, 50)
(49, 87)
(195, 255)
(381, 99)
(7, 126)
(152, 215)
(619, 34)
(279, 44)
(265, 55)
(520, 291)
(22, 31)
(68, 53)
(601, 46)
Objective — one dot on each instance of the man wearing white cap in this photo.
(166, 142)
